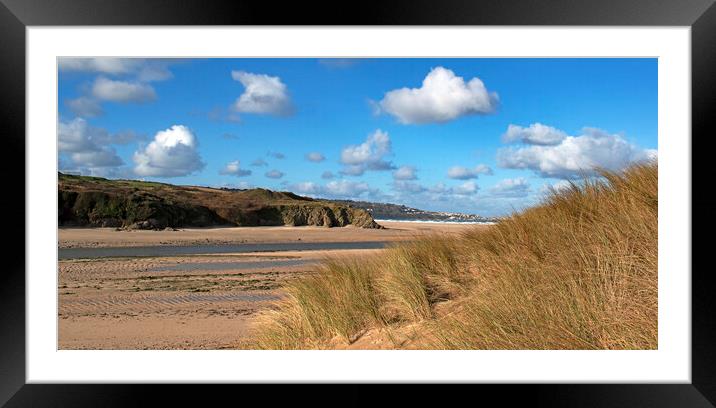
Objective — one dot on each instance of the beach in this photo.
(195, 288)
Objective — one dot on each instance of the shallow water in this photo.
(225, 266)
(170, 250)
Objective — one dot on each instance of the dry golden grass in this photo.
(578, 271)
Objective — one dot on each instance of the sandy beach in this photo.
(198, 301)
(110, 237)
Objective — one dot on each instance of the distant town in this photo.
(386, 211)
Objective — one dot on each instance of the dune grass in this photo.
(578, 271)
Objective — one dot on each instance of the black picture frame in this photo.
(16, 15)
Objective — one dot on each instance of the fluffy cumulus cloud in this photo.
(442, 97)
(263, 94)
(106, 89)
(315, 157)
(234, 169)
(87, 146)
(465, 173)
(274, 174)
(172, 153)
(405, 173)
(575, 156)
(535, 134)
(516, 187)
(369, 155)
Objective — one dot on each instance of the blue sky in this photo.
(483, 136)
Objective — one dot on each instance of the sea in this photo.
(439, 221)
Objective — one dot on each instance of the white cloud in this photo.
(439, 191)
(464, 173)
(465, 198)
(234, 169)
(408, 186)
(274, 174)
(439, 188)
(327, 175)
(347, 188)
(105, 65)
(335, 189)
(369, 155)
(560, 185)
(276, 155)
(536, 134)
(353, 170)
(307, 187)
(405, 173)
(87, 146)
(77, 135)
(442, 98)
(576, 156)
(133, 87)
(483, 169)
(85, 107)
(263, 94)
(337, 63)
(517, 187)
(106, 157)
(144, 69)
(172, 153)
(154, 70)
(259, 163)
(466, 188)
(315, 157)
(122, 91)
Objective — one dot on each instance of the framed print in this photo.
(400, 194)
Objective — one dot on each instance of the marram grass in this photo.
(579, 271)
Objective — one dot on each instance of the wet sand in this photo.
(200, 301)
(109, 237)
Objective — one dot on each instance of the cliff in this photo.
(98, 202)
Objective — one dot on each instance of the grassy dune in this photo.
(578, 271)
